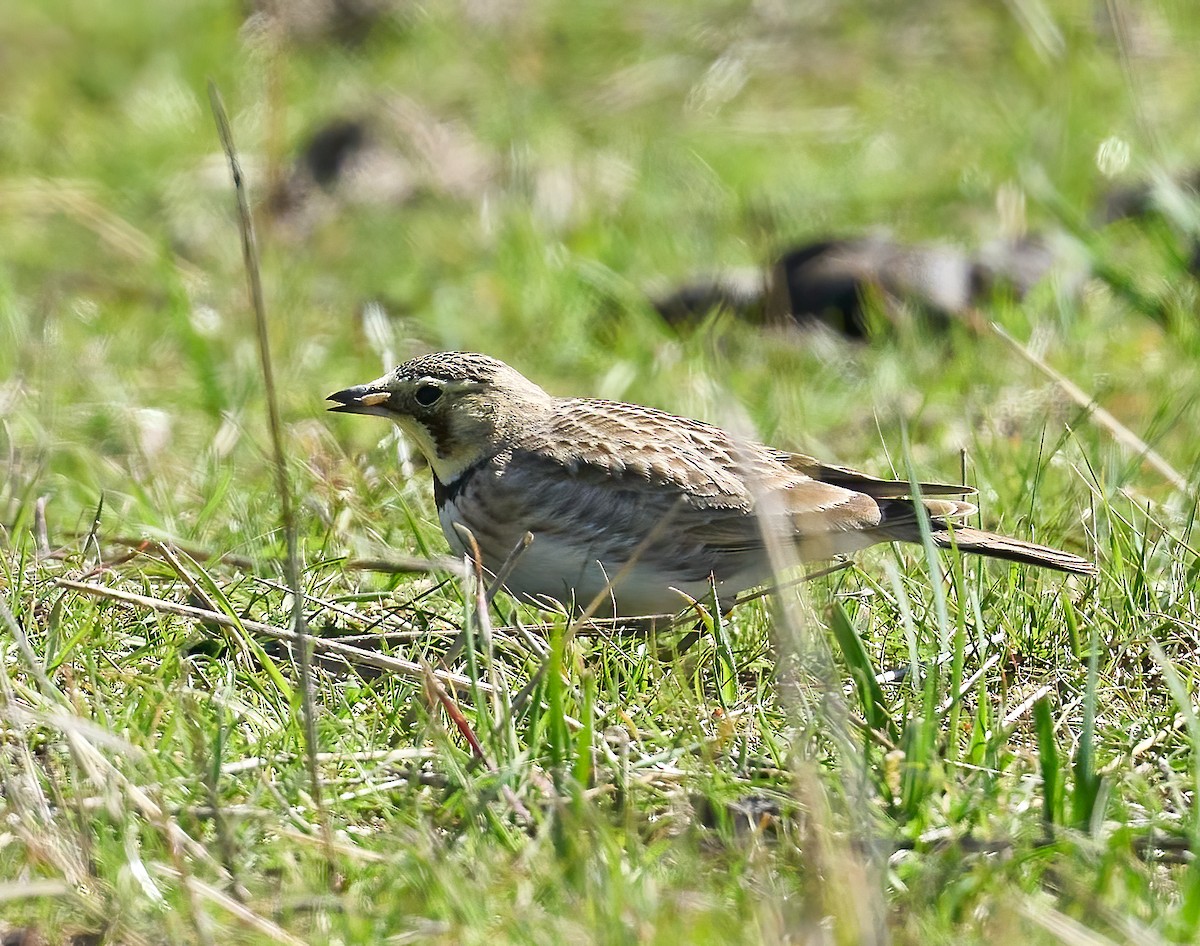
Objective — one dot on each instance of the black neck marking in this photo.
(444, 493)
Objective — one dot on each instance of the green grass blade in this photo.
(874, 704)
(1048, 762)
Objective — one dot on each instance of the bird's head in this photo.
(458, 407)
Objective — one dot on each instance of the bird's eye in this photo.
(427, 395)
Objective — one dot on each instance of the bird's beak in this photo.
(370, 398)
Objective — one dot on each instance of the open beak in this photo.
(362, 399)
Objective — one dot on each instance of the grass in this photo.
(1032, 778)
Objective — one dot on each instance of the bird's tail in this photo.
(899, 522)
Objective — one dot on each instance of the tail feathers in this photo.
(991, 545)
(899, 523)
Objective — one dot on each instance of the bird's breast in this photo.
(576, 559)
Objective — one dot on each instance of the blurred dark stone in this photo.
(822, 282)
(399, 152)
(837, 282)
(741, 292)
(22, 936)
(1128, 200)
(313, 21)
(830, 281)
(32, 936)
(327, 158)
(1160, 198)
(331, 148)
(1142, 198)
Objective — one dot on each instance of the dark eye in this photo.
(427, 395)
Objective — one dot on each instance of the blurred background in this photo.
(530, 178)
(808, 221)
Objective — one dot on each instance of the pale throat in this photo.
(448, 457)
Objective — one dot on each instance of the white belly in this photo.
(551, 569)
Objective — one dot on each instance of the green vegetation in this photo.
(1033, 781)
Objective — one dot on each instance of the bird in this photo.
(635, 511)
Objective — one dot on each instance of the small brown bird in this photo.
(643, 508)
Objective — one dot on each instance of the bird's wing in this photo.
(873, 486)
(717, 490)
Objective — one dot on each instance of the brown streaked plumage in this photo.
(601, 484)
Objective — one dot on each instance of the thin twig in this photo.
(406, 631)
(510, 563)
(256, 922)
(1023, 707)
(1120, 433)
(352, 655)
(253, 763)
(407, 565)
(282, 484)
